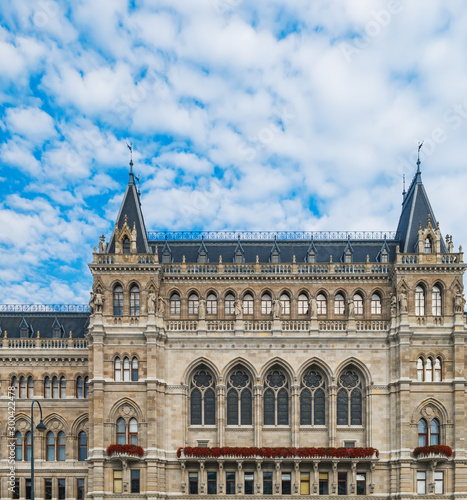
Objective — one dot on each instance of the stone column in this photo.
(258, 420)
(332, 415)
(221, 412)
(295, 427)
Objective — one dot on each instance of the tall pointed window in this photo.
(239, 398)
(134, 369)
(302, 304)
(126, 369)
(62, 387)
(229, 304)
(47, 387)
(27, 447)
(61, 446)
(202, 398)
(429, 370)
(193, 304)
(117, 370)
(248, 304)
(375, 304)
(134, 301)
(50, 443)
(133, 431)
(349, 399)
(266, 304)
(276, 398)
(420, 370)
(18, 446)
(321, 304)
(55, 393)
(285, 302)
(118, 301)
(422, 433)
(22, 388)
(86, 387)
(428, 246)
(211, 304)
(434, 432)
(175, 303)
(358, 304)
(312, 398)
(30, 392)
(82, 446)
(121, 431)
(339, 304)
(126, 245)
(438, 374)
(419, 301)
(79, 387)
(436, 301)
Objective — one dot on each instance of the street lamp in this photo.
(41, 428)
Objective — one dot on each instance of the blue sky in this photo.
(281, 115)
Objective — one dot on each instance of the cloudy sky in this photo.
(273, 114)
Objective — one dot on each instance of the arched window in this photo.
(419, 301)
(14, 383)
(47, 387)
(358, 304)
(117, 370)
(312, 398)
(211, 304)
(50, 446)
(248, 304)
(436, 301)
(134, 369)
(239, 398)
(22, 388)
(61, 446)
(438, 370)
(193, 304)
(121, 431)
(375, 304)
(18, 446)
(27, 447)
(429, 370)
(229, 304)
(285, 302)
(30, 393)
(420, 371)
(276, 398)
(266, 304)
(434, 432)
(133, 432)
(422, 433)
(428, 246)
(82, 446)
(126, 245)
(302, 304)
(202, 398)
(134, 301)
(126, 369)
(339, 304)
(86, 387)
(321, 304)
(118, 301)
(349, 399)
(55, 393)
(79, 387)
(62, 387)
(175, 303)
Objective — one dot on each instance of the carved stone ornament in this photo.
(126, 411)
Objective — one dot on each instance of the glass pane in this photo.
(356, 407)
(283, 407)
(209, 407)
(342, 409)
(305, 407)
(320, 408)
(269, 412)
(232, 407)
(246, 408)
(195, 403)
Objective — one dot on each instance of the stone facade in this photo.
(332, 343)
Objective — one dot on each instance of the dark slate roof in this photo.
(415, 209)
(131, 207)
(44, 322)
(263, 248)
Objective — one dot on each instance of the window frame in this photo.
(285, 303)
(419, 301)
(339, 304)
(248, 304)
(134, 300)
(175, 304)
(376, 304)
(118, 301)
(358, 304)
(211, 304)
(436, 301)
(193, 304)
(229, 304)
(266, 304)
(302, 304)
(82, 456)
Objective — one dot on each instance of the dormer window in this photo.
(428, 246)
(348, 256)
(384, 257)
(126, 245)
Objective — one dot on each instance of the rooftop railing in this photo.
(44, 308)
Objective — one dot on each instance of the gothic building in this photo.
(245, 363)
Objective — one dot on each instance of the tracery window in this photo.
(56, 447)
(14, 383)
(79, 387)
(121, 431)
(127, 433)
(436, 301)
(420, 370)
(126, 245)
(175, 304)
(126, 369)
(248, 304)
(133, 431)
(276, 398)
(321, 304)
(82, 446)
(358, 303)
(30, 391)
(18, 446)
(339, 304)
(438, 370)
(211, 304)
(55, 387)
(434, 432)
(62, 387)
(202, 398)
(118, 301)
(47, 387)
(349, 398)
(266, 304)
(285, 302)
(239, 398)
(429, 370)
(422, 432)
(312, 398)
(22, 388)
(193, 304)
(419, 301)
(117, 369)
(27, 447)
(375, 304)
(134, 301)
(134, 369)
(302, 304)
(229, 304)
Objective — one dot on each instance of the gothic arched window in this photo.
(22, 388)
(82, 446)
(239, 398)
(211, 304)
(47, 387)
(429, 370)
(30, 392)
(121, 431)
(438, 370)
(349, 399)
(118, 301)
(27, 447)
(436, 301)
(126, 245)
(358, 304)
(134, 301)
(133, 431)
(229, 304)
(375, 304)
(134, 369)
(276, 398)
(175, 303)
(248, 304)
(86, 387)
(266, 304)
(61, 446)
(312, 398)
(302, 304)
(117, 369)
(428, 245)
(62, 387)
(193, 304)
(55, 393)
(321, 304)
(202, 398)
(50, 443)
(419, 301)
(285, 302)
(434, 432)
(339, 304)
(420, 370)
(79, 387)
(422, 433)
(18, 446)
(126, 369)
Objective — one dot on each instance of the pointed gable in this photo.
(239, 253)
(203, 253)
(130, 215)
(347, 256)
(416, 208)
(311, 253)
(275, 255)
(383, 254)
(166, 253)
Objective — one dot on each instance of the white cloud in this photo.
(31, 123)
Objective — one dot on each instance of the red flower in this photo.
(439, 449)
(127, 449)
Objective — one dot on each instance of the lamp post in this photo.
(41, 428)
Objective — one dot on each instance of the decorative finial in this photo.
(38, 334)
(420, 144)
(5, 335)
(130, 147)
(404, 192)
(70, 335)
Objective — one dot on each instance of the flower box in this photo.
(247, 452)
(434, 452)
(125, 450)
